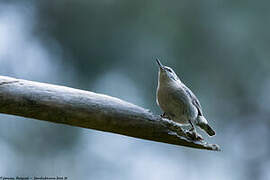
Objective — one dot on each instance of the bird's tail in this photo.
(202, 123)
(209, 130)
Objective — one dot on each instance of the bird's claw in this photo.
(164, 115)
(194, 135)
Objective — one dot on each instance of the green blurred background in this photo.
(220, 49)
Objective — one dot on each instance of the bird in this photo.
(178, 102)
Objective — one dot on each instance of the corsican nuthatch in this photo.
(178, 102)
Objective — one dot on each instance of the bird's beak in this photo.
(159, 64)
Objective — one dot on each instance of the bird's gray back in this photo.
(194, 99)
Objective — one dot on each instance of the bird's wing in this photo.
(194, 100)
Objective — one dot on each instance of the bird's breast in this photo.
(175, 103)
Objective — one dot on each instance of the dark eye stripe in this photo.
(169, 69)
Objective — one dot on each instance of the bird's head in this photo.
(166, 73)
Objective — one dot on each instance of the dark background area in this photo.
(220, 49)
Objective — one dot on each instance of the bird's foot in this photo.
(164, 115)
(194, 135)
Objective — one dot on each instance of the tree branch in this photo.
(85, 109)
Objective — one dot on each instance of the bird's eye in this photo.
(169, 70)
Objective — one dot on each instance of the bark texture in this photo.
(86, 109)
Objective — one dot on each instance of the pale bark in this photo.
(86, 109)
